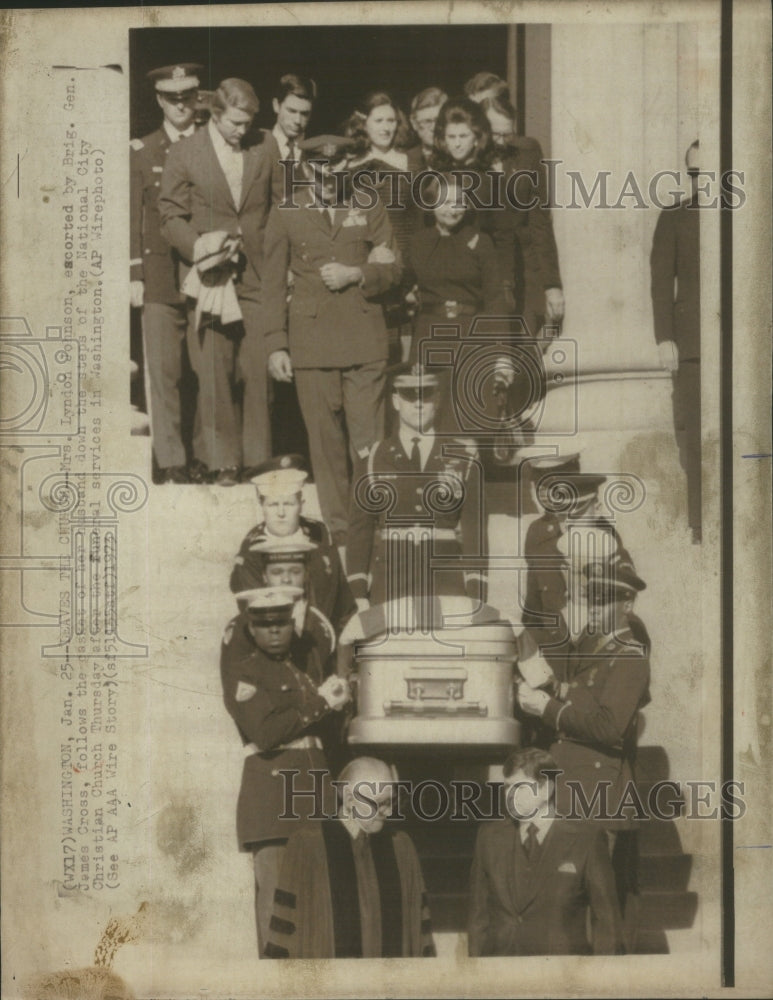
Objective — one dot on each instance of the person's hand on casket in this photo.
(336, 692)
(533, 701)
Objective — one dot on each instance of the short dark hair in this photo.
(536, 764)
(292, 84)
(484, 80)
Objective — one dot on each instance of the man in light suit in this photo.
(213, 186)
(534, 874)
(333, 339)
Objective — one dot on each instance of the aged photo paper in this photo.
(122, 875)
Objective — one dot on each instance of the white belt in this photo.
(417, 534)
(302, 743)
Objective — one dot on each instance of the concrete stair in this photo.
(666, 902)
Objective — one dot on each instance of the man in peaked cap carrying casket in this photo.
(332, 339)
(281, 711)
(558, 544)
(434, 514)
(154, 265)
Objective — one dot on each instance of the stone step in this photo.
(659, 912)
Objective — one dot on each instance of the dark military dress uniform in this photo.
(282, 721)
(274, 704)
(328, 588)
(547, 589)
(595, 724)
(404, 521)
(675, 260)
(164, 316)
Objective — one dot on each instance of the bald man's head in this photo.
(366, 788)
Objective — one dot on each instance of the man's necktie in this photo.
(415, 455)
(531, 845)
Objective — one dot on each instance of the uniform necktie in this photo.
(532, 844)
(415, 455)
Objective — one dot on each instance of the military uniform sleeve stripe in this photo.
(275, 951)
(282, 926)
(284, 898)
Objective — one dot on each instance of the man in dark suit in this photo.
(282, 708)
(425, 107)
(676, 308)
(433, 484)
(293, 103)
(155, 285)
(535, 875)
(538, 292)
(333, 339)
(593, 716)
(213, 187)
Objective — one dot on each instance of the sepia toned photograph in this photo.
(386, 448)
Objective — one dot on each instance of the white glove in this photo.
(335, 691)
(532, 701)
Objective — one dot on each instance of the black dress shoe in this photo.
(198, 473)
(228, 476)
(174, 474)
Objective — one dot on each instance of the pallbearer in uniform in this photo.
(279, 483)
(556, 549)
(418, 523)
(332, 339)
(351, 887)
(283, 714)
(593, 718)
(155, 281)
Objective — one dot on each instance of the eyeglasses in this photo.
(417, 395)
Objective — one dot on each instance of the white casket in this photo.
(433, 671)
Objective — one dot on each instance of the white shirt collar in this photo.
(351, 826)
(283, 141)
(426, 441)
(542, 823)
(175, 134)
(221, 146)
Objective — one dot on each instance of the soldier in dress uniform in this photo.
(556, 549)
(593, 718)
(279, 483)
(417, 506)
(154, 265)
(282, 713)
(332, 340)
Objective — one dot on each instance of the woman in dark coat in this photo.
(456, 276)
